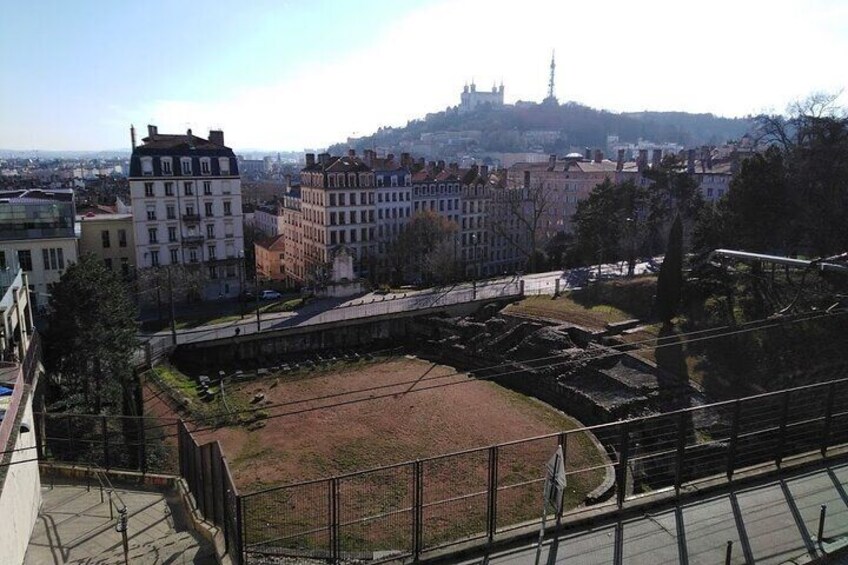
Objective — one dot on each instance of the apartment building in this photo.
(294, 270)
(111, 238)
(186, 203)
(437, 188)
(337, 202)
(270, 258)
(37, 231)
(268, 219)
(475, 237)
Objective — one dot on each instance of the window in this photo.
(332, 237)
(171, 212)
(224, 165)
(341, 199)
(332, 200)
(228, 208)
(188, 189)
(125, 266)
(207, 187)
(175, 256)
(166, 166)
(148, 189)
(60, 255)
(45, 256)
(189, 210)
(211, 250)
(210, 231)
(169, 189)
(205, 167)
(192, 255)
(151, 213)
(186, 166)
(172, 234)
(3, 260)
(104, 238)
(147, 165)
(108, 263)
(154, 258)
(332, 218)
(213, 272)
(122, 238)
(208, 209)
(152, 235)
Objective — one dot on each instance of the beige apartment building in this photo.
(270, 258)
(109, 237)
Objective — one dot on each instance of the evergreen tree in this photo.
(90, 340)
(670, 280)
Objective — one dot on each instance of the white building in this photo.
(268, 219)
(38, 232)
(186, 200)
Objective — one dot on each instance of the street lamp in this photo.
(241, 283)
(474, 279)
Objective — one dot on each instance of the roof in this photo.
(178, 142)
(272, 243)
(38, 195)
(91, 216)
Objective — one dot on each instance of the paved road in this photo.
(775, 522)
(372, 304)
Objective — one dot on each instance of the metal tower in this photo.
(551, 81)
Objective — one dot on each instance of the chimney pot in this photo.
(587, 154)
(132, 136)
(151, 131)
(619, 164)
(656, 159)
(390, 157)
(599, 155)
(351, 152)
(690, 161)
(216, 136)
(484, 170)
(310, 159)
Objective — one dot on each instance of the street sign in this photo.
(554, 488)
(555, 481)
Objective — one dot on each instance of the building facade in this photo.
(268, 219)
(186, 202)
(270, 258)
(111, 238)
(293, 265)
(37, 230)
(471, 99)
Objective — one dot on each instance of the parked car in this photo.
(270, 295)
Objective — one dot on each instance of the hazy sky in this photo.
(293, 74)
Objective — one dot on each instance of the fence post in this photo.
(784, 416)
(225, 517)
(563, 443)
(241, 546)
(680, 452)
(621, 471)
(334, 520)
(828, 418)
(105, 437)
(417, 508)
(492, 495)
(734, 438)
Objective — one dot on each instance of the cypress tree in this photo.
(670, 281)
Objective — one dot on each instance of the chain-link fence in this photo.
(407, 509)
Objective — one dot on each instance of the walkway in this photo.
(75, 527)
(775, 522)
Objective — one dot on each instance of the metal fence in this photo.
(130, 443)
(407, 509)
(208, 476)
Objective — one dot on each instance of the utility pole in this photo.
(171, 300)
(258, 290)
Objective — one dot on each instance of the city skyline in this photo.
(291, 76)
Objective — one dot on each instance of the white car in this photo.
(270, 295)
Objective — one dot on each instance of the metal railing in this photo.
(408, 509)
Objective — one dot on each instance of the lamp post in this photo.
(474, 277)
(258, 290)
(241, 283)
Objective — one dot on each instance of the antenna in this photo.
(551, 81)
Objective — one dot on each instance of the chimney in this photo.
(404, 160)
(526, 179)
(188, 132)
(587, 154)
(454, 167)
(619, 164)
(288, 183)
(421, 162)
(642, 162)
(132, 136)
(484, 170)
(709, 159)
(656, 158)
(551, 161)
(351, 152)
(704, 152)
(431, 165)
(690, 161)
(216, 136)
(310, 159)
(441, 165)
(599, 155)
(324, 158)
(390, 157)
(152, 131)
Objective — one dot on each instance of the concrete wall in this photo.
(20, 497)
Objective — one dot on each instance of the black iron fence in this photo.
(127, 443)
(207, 473)
(407, 509)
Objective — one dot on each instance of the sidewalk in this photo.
(775, 522)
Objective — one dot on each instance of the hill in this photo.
(548, 128)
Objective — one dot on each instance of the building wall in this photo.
(269, 222)
(39, 276)
(120, 255)
(270, 261)
(20, 494)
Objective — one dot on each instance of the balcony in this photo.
(192, 239)
(191, 218)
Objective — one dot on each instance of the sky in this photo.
(290, 75)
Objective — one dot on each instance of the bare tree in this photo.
(519, 217)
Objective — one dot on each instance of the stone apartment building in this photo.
(270, 258)
(437, 188)
(268, 219)
(338, 196)
(186, 201)
(293, 264)
(110, 237)
(475, 236)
